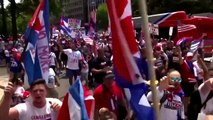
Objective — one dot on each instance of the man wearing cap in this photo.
(15, 66)
(109, 95)
(188, 77)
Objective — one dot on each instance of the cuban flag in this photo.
(65, 27)
(36, 53)
(126, 58)
(78, 104)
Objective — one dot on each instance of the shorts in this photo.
(188, 88)
(71, 73)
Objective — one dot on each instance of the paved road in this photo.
(62, 90)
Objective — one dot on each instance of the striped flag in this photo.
(195, 45)
(183, 40)
(77, 103)
(126, 58)
(186, 28)
(65, 27)
(36, 53)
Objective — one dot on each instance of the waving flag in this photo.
(186, 28)
(36, 54)
(92, 24)
(77, 103)
(65, 27)
(183, 40)
(126, 58)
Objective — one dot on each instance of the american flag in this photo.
(186, 28)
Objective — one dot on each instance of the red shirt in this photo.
(186, 72)
(108, 98)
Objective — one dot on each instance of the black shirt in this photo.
(99, 64)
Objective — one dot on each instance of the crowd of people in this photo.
(181, 75)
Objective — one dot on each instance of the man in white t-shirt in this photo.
(170, 94)
(73, 62)
(40, 108)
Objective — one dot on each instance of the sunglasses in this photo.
(174, 79)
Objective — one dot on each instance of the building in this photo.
(75, 9)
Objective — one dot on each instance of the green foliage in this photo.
(102, 17)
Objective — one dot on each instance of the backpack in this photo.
(195, 104)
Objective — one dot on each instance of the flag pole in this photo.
(143, 11)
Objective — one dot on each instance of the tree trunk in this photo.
(4, 22)
(13, 15)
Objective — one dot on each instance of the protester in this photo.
(188, 76)
(39, 108)
(110, 96)
(99, 67)
(74, 62)
(170, 94)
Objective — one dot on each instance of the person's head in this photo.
(72, 45)
(38, 90)
(109, 79)
(101, 54)
(189, 56)
(174, 78)
(157, 50)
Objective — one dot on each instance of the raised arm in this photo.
(7, 113)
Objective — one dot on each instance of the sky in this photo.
(6, 2)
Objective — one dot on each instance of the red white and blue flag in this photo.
(126, 58)
(186, 28)
(36, 54)
(183, 40)
(78, 104)
(65, 27)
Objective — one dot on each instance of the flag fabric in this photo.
(65, 27)
(92, 24)
(125, 55)
(36, 53)
(195, 45)
(183, 40)
(186, 28)
(77, 103)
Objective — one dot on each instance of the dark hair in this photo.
(37, 82)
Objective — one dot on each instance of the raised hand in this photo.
(164, 83)
(9, 90)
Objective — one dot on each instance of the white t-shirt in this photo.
(51, 78)
(73, 59)
(28, 112)
(198, 71)
(6, 52)
(171, 108)
(52, 59)
(208, 107)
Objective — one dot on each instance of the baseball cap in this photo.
(189, 54)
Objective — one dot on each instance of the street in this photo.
(62, 90)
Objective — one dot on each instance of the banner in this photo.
(74, 23)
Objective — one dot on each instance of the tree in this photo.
(13, 15)
(4, 23)
(102, 17)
